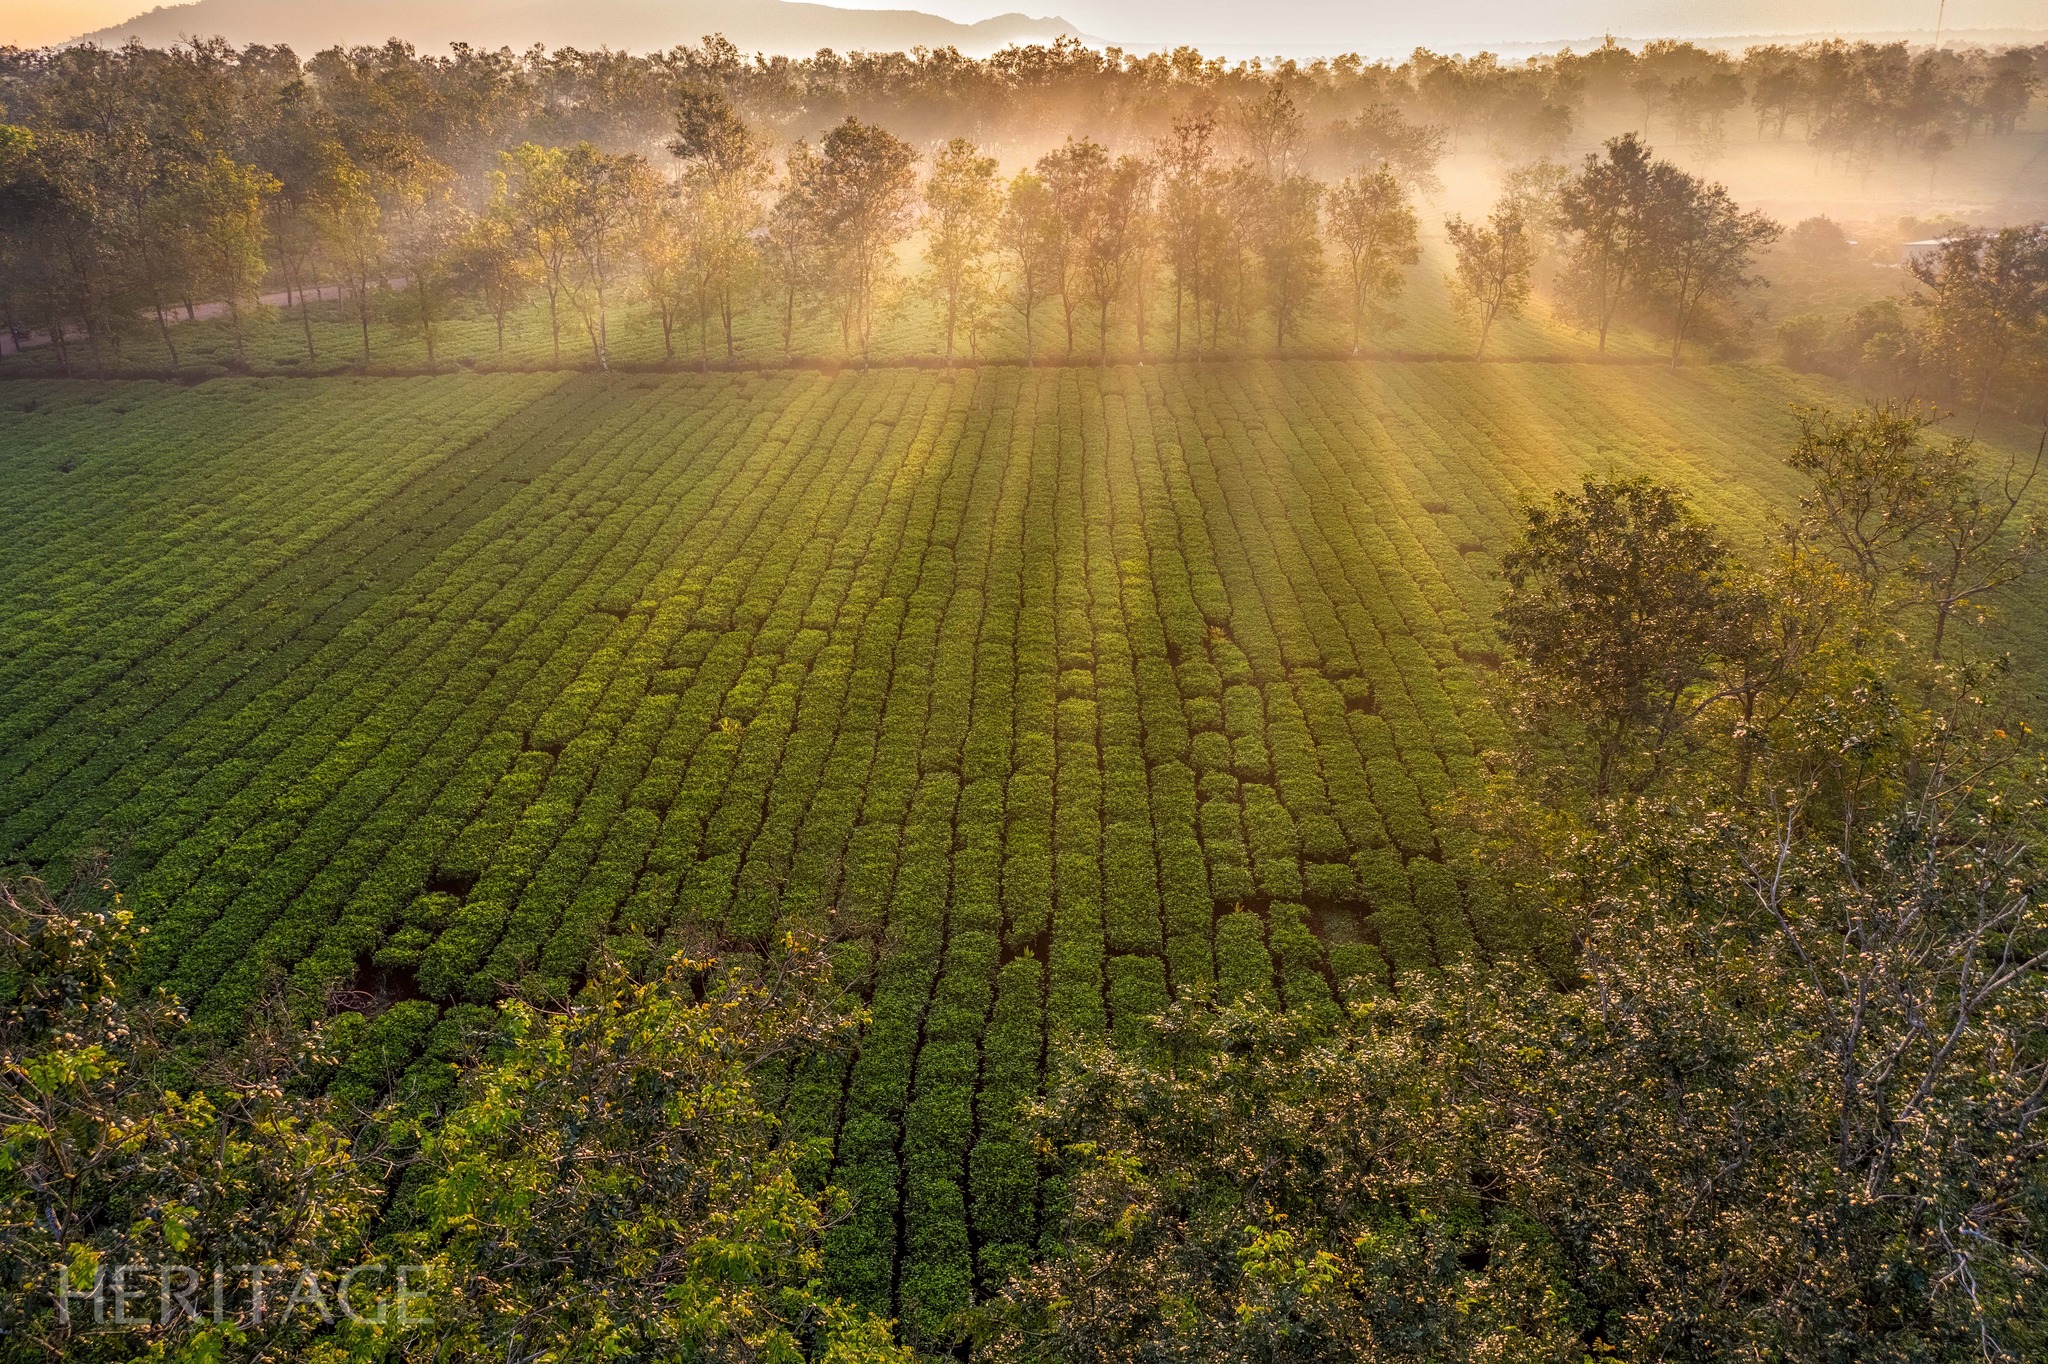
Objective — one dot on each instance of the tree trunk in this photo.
(306, 320)
(164, 327)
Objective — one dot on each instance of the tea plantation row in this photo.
(1043, 692)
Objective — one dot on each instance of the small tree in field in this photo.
(1491, 277)
(1374, 228)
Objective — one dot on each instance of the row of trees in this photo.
(94, 245)
(462, 108)
(201, 179)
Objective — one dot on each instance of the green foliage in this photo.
(608, 1180)
(1618, 601)
(1245, 1187)
(126, 1148)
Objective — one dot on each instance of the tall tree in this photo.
(221, 202)
(1033, 246)
(864, 193)
(491, 266)
(1113, 249)
(351, 227)
(793, 242)
(1607, 210)
(1291, 252)
(1374, 226)
(961, 205)
(428, 228)
(151, 220)
(1185, 158)
(1702, 246)
(531, 192)
(606, 193)
(1491, 274)
(62, 224)
(725, 170)
(661, 242)
(1075, 174)
(299, 149)
(1238, 200)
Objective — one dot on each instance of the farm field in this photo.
(1042, 692)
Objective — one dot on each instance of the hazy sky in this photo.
(32, 23)
(1378, 26)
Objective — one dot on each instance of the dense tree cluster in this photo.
(136, 183)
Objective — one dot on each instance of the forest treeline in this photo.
(1211, 200)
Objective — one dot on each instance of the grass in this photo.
(1043, 692)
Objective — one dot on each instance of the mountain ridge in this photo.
(793, 27)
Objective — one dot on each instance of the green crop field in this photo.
(1041, 692)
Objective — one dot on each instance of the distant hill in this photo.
(773, 26)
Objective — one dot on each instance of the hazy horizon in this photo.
(1295, 26)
